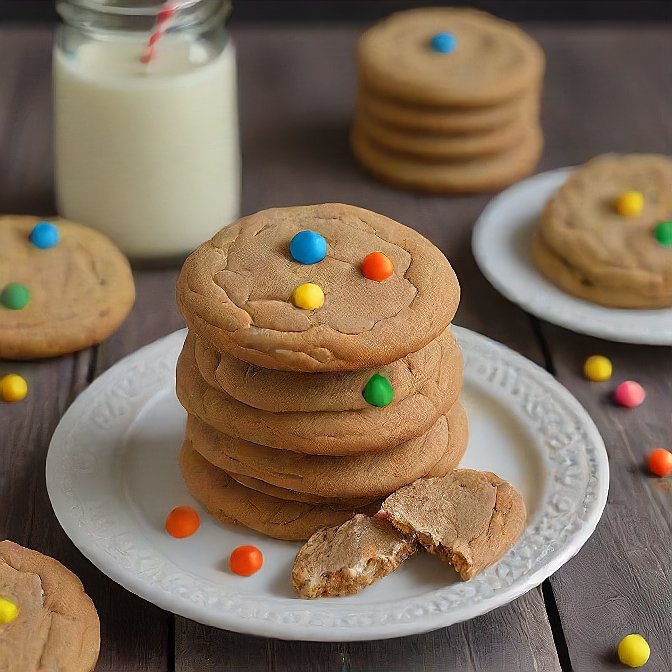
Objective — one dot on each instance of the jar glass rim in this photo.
(133, 7)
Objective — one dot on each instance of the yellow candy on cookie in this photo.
(597, 368)
(308, 296)
(630, 204)
(13, 387)
(8, 611)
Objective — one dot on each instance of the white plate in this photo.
(112, 477)
(501, 244)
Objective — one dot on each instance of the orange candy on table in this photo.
(182, 522)
(246, 560)
(660, 462)
(376, 266)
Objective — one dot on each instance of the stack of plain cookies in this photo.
(448, 101)
(319, 372)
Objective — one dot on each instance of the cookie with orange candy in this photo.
(47, 621)
(262, 294)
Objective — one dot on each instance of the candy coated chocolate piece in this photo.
(8, 611)
(444, 43)
(630, 204)
(660, 462)
(663, 233)
(378, 391)
(44, 235)
(308, 247)
(308, 296)
(377, 266)
(597, 368)
(182, 522)
(13, 387)
(633, 651)
(629, 394)
(15, 296)
(246, 560)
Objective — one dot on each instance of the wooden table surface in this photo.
(607, 89)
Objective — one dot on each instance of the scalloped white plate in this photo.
(501, 245)
(112, 477)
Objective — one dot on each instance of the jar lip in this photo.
(130, 7)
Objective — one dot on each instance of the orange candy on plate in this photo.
(246, 560)
(182, 522)
(376, 266)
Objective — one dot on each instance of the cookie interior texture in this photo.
(57, 626)
(81, 290)
(589, 250)
(468, 518)
(343, 560)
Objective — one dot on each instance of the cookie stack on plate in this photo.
(448, 101)
(319, 372)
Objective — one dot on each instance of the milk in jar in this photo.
(146, 152)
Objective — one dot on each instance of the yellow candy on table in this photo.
(8, 611)
(13, 387)
(597, 368)
(630, 204)
(633, 651)
(308, 296)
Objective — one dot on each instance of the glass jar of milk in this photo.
(146, 152)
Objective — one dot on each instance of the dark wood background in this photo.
(369, 10)
(606, 89)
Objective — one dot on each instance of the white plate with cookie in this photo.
(502, 245)
(112, 476)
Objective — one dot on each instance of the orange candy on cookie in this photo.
(246, 560)
(377, 266)
(182, 522)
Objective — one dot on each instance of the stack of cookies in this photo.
(319, 372)
(448, 101)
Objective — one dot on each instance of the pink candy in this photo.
(629, 394)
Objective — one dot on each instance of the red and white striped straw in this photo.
(161, 25)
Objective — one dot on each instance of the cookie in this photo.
(319, 433)
(469, 519)
(56, 626)
(343, 560)
(80, 290)
(365, 475)
(493, 60)
(438, 364)
(295, 496)
(229, 502)
(591, 251)
(473, 175)
(445, 148)
(236, 290)
(451, 120)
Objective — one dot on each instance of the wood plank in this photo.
(299, 154)
(620, 582)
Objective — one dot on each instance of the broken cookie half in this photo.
(469, 519)
(343, 560)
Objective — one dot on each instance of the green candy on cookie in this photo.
(15, 296)
(378, 391)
